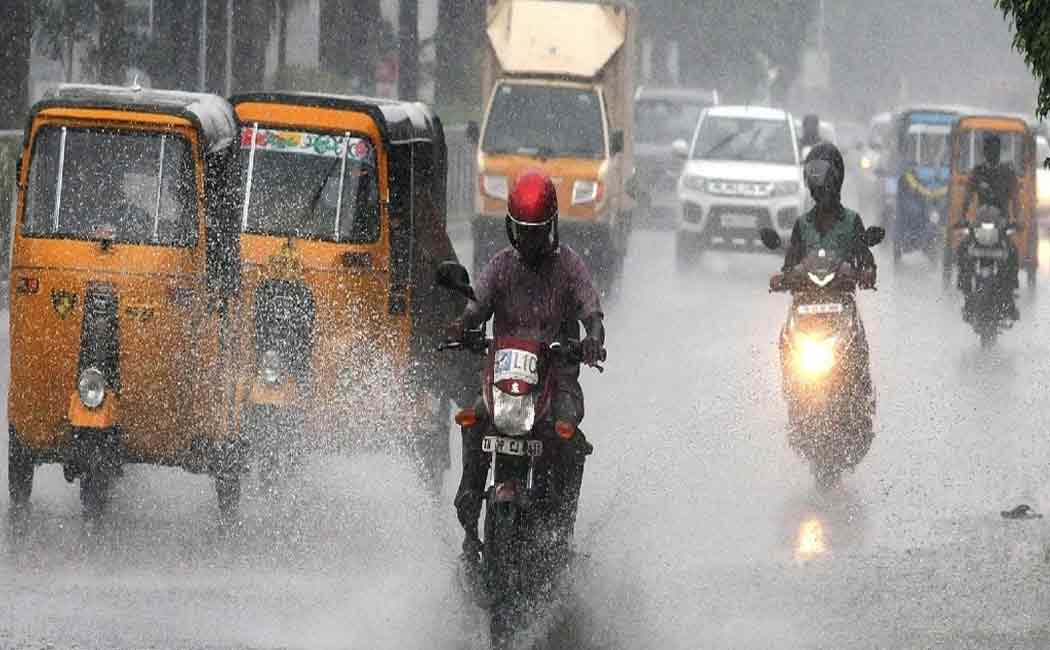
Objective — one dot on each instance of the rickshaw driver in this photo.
(992, 183)
(537, 284)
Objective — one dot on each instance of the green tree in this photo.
(15, 34)
(1031, 22)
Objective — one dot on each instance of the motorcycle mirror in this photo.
(874, 235)
(770, 238)
(453, 276)
(1010, 230)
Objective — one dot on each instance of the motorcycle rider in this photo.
(540, 289)
(830, 226)
(992, 183)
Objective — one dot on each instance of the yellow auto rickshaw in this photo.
(342, 212)
(1017, 151)
(124, 272)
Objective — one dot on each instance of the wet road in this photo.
(702, 527)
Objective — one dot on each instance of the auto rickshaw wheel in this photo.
(228, 491)
(946, 267)
(20, 469)
(95, 488)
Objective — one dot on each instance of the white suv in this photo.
(742, 172)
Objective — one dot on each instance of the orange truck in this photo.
(558, 82)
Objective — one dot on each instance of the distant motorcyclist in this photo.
(542, 290)
(830, 226)
(810, 132)
(992, 183)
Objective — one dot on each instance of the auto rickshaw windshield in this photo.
(1011, 152)
(310, 185)
(132, 187)
(927, 145)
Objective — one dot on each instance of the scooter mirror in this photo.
(770, 238)
(874, 235)
(680, 149)
(453, 276)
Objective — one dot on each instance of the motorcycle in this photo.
(530, 508)
(984, 256)
(824, 363)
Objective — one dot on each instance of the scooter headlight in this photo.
(92, 388)
(271, 368)
(814, 358)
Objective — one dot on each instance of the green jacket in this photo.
(845, 239)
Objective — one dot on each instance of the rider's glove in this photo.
(456, 331)
(867, 278)
(776, 282)
(591, 350)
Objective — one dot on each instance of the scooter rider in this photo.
(539, 289)
(831, 226)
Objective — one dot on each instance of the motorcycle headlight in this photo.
(695, 183)
(935, 216)
(786, 188)
(495, 186)
(92, 388)
(987, 234)
(814, 358)
(586, 192)
(866, 163)
(271, 368)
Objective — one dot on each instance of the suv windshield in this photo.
(745, 139)
(131, 187)
(662, 121)
(309, 185)
(547, 121)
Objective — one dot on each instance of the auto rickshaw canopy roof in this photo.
(399, 122)
(212, 114)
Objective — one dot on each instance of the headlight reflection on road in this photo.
(811, 540)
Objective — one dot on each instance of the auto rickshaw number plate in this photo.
(511, 446)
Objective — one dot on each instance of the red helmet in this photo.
(532, 215)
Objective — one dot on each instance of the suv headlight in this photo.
(495, 187)
(92, 388)
(271, 368)
(786, 188)
(586, 192)
(694, 182)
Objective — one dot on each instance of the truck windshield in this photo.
(309, 185)
(745, 139)
(662, 121)
(131, 187)
(548, 121)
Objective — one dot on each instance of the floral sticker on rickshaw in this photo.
(304, 143)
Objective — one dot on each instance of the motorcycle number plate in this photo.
(824, 308)
(988, 253)
(511, 446)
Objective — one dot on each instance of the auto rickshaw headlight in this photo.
(92, 388)
(270, 367)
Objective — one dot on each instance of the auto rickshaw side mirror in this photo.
(616, 142)
(453, 276)
(874, 235)
(473, 132)
(680, 149)
(770, 238)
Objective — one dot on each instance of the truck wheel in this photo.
(20, 471)
(95, 488)
(228, 491)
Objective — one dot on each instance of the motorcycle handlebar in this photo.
(475, 341)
